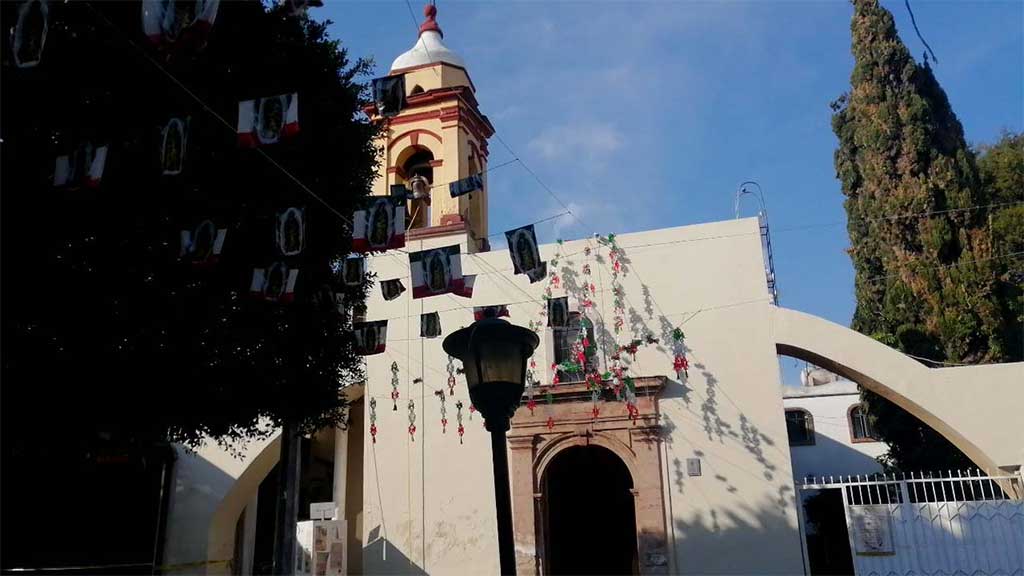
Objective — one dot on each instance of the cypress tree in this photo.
(928, 285)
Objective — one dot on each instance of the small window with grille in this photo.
(860, 425)
(800, 427)
(564, 340)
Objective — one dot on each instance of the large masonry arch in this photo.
(978, 408)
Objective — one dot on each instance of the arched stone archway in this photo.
(588, 491)
(221, 532)
(977, 408)
(534, 445)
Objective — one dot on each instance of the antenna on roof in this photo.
(766, 239)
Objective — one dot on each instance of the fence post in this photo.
(904, 492)
(802, 525)
(849, 527)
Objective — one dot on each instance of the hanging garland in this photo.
(458, 418)
(531, 403)
(444, 413)
(373, 419)
(451, 376)
(412, 419)
(394, 386)
(679, 361)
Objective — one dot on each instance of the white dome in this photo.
(429, 49)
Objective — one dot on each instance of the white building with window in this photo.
(828, 429)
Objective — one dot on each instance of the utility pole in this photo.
(288, 500)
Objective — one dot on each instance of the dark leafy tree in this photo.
(113, 342)
(933, 286)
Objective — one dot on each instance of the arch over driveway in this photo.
(980, 409)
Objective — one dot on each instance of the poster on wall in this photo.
(320, 548)
(872, 530)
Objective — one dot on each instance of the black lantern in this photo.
(493, 354)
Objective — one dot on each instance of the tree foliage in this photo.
(937, 286)
(106, 329)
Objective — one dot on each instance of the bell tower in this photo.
(437, 136)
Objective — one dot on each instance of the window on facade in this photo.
(860, 425)
(417, 89)
(800, 427)
(564, 339)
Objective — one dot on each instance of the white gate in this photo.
(956, 523)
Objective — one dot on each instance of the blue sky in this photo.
(647, 115)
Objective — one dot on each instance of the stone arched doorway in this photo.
(590, 517)
(537, 445)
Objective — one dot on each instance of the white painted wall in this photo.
(833, 452)
(436, 503)
(206, 484)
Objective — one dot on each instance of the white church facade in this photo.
(687, 472)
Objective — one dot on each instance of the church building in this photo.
(651, 439)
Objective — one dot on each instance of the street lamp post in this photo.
(493, 354)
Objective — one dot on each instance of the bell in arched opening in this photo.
(419, 174)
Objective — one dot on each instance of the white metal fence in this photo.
(950, 523)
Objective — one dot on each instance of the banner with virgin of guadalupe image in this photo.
(29, 34)
(82, 167)
(353, 270)
(203, 246)
(558, 312)
(430, 325)
(371, 337)
(522, 247)
(268, 120)
(174, 143)
(391, 289)
(438, 271)
(379, 225)
(481, 312)
(290, 232)
(177, 22)
(274, 284)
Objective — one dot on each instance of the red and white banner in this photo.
(267, 120)
(83, 167)
(379, 225)
(168, 23)
(204, 245)
(438, 271)
(275, 284)
(481, 312)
